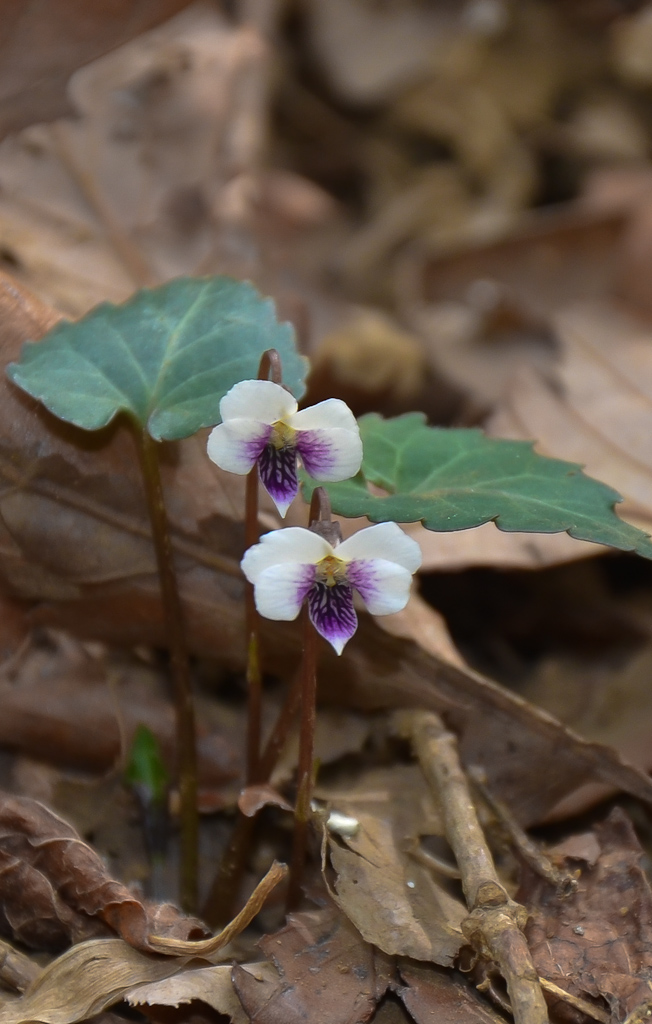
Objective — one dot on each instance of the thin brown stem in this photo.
(254, 677)
(221, 901)
(218, 908)
(306, 760)
(270, 365)
(185, 711)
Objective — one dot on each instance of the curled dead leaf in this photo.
(56, 888)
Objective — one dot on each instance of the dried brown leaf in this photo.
(596, 942)
(154, 177)
(395, 902)
(324, 972)
(209, 985)
(56, 888)
(598, 410)
(433, 994)
(42, 46)
(93, 975)
(530, 761)
(252, 799)
(72, 711)
(86, 980)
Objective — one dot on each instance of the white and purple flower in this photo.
(261, 424)
(290, 565)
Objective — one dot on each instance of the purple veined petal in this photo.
(236, 446)
(332, 454)
(385, 540)
(281, 589)
(332, 613)
(383, 586)
(278, 474)
(294, 544)
(262, 399)
(329, 415)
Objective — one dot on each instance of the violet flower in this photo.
(261, 424)
(289, 566)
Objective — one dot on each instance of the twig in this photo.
(563, 882)
(495, 922)
(583, 1005)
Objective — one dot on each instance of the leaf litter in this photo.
(75, 231)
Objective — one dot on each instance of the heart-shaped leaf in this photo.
(165, 358)
(453, 479)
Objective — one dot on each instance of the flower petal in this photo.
(278, 475)
(386, 541)
(331, 454)
(235, 446)
(328, 415)
(383, 586)
(293, 544)
(280, 590)
(332, 613)
(261, 399)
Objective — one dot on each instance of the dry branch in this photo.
(495, 922)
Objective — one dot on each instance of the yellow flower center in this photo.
(331, 570)
(282, 435)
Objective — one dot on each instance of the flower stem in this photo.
(254, 677)
(185, 711)
(270, 364)
(322, 524)
(306, 760)
(220, 904)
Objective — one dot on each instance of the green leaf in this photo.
(454, 479)
(145, 770)
(165, 358)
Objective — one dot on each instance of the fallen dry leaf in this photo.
(593, 406)
(158, 176)
(395, 902)
(606, 703)
(252, 799)
(209, 985)
(597, 941)
(67, 708)
(95, 974)
(55, 888)
(597, 410)
(86, 980)
(529, 760)
(324, 972)
(431, 994)
(42, 46)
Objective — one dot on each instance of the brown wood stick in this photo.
(495, 922)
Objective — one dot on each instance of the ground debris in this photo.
(597, 941)
(56, 889)
(323, 972)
